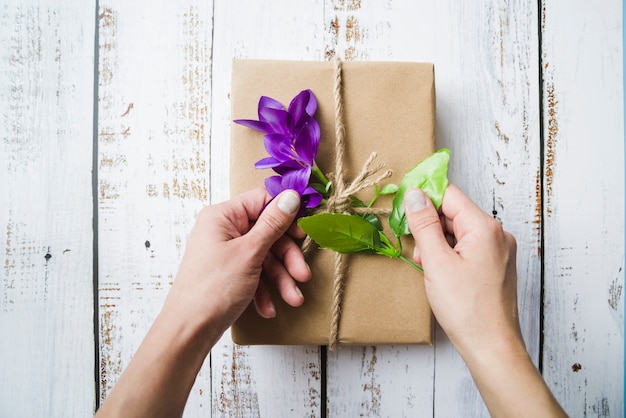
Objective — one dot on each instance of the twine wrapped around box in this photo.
(340, 201)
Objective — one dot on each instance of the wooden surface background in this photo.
(115, 132)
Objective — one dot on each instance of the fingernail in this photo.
(289, 203)
(299, 293)
(414, 200)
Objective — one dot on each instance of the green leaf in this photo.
(389, 189)
(356, 202)
(373, 219)
(369, 217)
(342, 233)
(431, 177)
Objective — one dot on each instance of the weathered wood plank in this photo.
(488, 104)
(46, 282)
(153, 165)
(584, 205)
(160, 93)
(259, 381)
(485, 57)
(381, 381)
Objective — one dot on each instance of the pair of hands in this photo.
(238, 247)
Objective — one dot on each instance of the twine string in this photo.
(333, 203)
(340, 200)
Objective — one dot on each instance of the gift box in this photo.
(389, 108)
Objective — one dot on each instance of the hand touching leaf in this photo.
(431, 176)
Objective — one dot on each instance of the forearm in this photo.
(159, 378)
(511, 385)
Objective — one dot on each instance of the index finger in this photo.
(244, 209)
(253, 202)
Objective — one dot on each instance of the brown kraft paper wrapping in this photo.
(389, 107)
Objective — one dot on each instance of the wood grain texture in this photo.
(584, 206)
(259, 381)
(153, 165)
(46, 281)
(163, 151)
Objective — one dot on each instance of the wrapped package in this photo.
(389, 108)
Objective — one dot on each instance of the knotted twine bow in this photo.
(341, 202)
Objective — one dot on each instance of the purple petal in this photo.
(273, 185)
(307, 142)
(286, 166)
(279, 146)
(277, 119)
(297, 180)
(298, 106)
(312, 197)
(311, 107)
(304, 117)
(304, 120)
(265, 101)
(256, 125)
(268, 162)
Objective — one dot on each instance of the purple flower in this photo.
(291, 136)
(291, 139)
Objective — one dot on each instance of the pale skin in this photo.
(470, 279)
(471, 284)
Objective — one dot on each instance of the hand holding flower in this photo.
(230, 247)
(247, 247)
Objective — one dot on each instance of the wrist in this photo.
(507, 378)
(161, 374)
(194, 333)
(501, 349)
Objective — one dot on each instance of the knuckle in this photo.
(496, 231)
(511, 241)
(252, 254)
(417, 224)
(275, 223)
(206, 218)
(205, 213)
(493, 225)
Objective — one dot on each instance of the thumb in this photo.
(274, 220)
(425, 225)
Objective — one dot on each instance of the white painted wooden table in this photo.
(114, 132)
